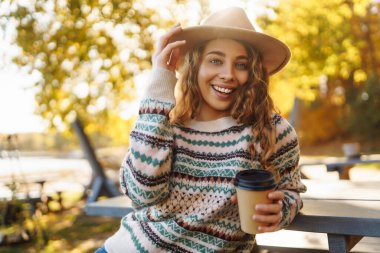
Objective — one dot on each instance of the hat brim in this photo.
(275, 54)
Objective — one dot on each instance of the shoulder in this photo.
(284, 130)
(287, 146)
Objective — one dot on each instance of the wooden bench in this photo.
(346, 211)
(342, 165)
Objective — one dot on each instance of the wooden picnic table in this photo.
(342, 165)
(344, 210)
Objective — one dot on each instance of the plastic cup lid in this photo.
(255, 180)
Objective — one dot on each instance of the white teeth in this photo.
(224, 90)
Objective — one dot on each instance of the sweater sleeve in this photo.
(146, 168)
(285, 162)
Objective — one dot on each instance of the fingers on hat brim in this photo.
(167, 38)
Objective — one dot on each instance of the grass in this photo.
(374, 166)
(69, 230)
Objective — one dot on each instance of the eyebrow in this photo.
(224, 55)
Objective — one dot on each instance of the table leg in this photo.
(337, 243)
(353, 240)
(342, 243)
(344, 172)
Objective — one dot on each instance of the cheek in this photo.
(204, 77)
(201, 81)
(201, 74)
(242, 78)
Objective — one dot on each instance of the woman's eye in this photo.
(215, 61)
(242, 66)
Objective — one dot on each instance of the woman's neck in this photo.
(205, 115)
(212, 125)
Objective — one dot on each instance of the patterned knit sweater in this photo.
(180, 179)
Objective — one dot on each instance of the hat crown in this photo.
(233, 17)
(233, 23)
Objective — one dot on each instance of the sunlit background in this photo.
(17, 104)
(66, 59)
(90, 59)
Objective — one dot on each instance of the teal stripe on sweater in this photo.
(153, 118)
(135, 240)
(150, 197)
(141, 215)
(222, 144)
(283, 135)
(146, 159)
(196, 235)
(152, 103)
(192, 167)
(153, 130)
(286, 160)
(198, 187)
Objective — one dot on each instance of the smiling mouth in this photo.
(222, 90)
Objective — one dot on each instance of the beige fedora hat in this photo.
(233, 23)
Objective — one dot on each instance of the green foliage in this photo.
(87, 54)
(320, 37)
(336, 40)
(364, 118)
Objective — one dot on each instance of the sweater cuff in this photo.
(161, 85)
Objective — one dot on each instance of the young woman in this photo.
(186, 149)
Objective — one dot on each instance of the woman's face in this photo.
(222, 72)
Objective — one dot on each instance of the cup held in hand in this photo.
(252, 188)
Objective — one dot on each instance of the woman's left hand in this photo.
(269, 215)
(167, 53)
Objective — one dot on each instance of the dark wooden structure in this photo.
(100, 184)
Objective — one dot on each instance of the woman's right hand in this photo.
(167, 54)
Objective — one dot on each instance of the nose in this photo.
(227, 73)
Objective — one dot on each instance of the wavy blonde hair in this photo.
(252, 106)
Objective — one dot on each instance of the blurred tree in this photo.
(335, 45)
(364, 116)
(87, 53)
(363, 100)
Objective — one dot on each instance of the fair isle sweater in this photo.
(180, 179)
